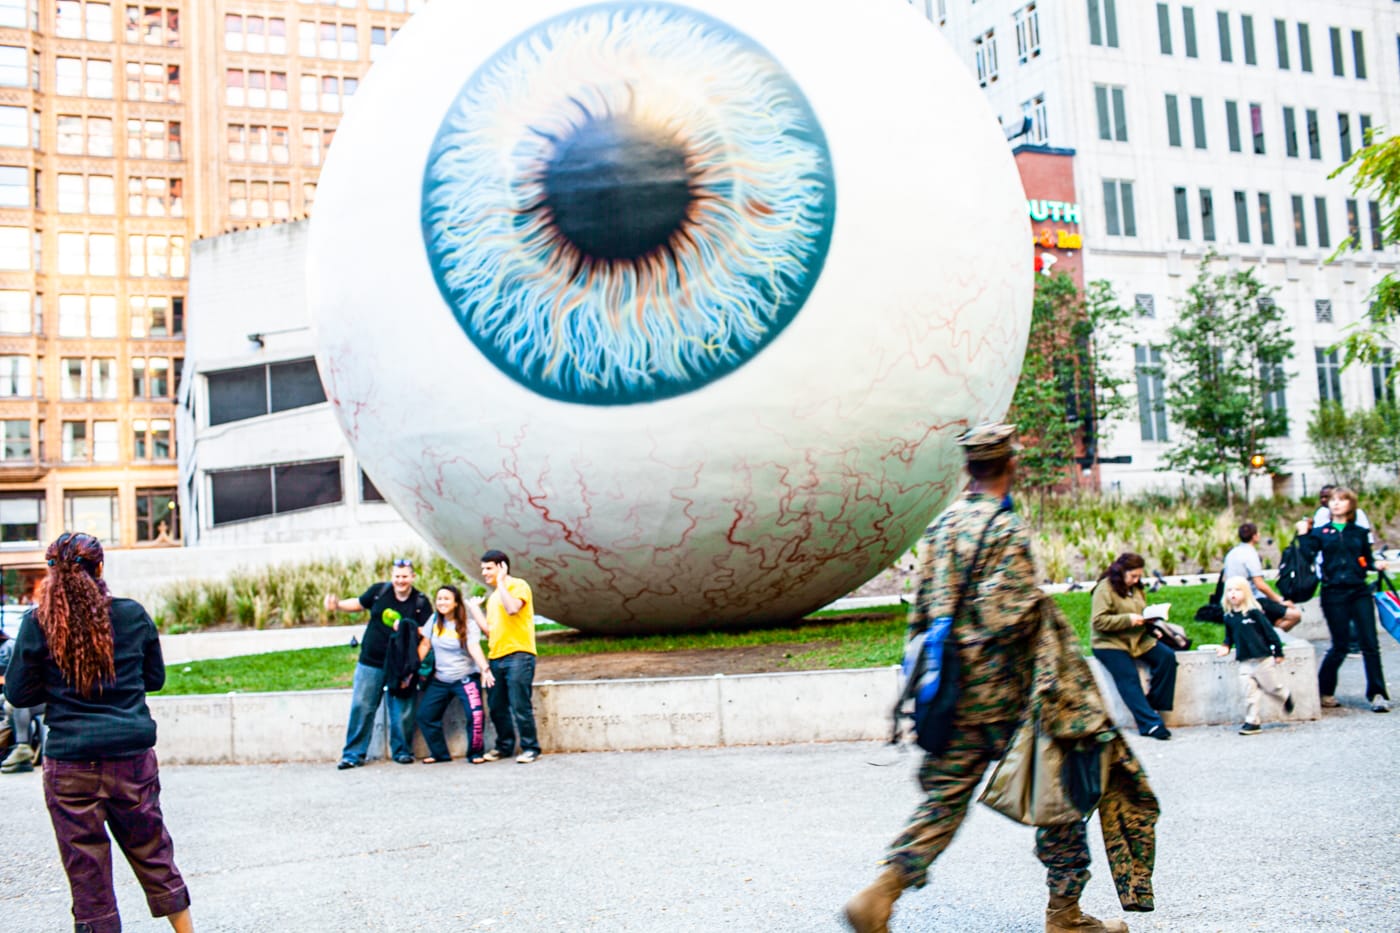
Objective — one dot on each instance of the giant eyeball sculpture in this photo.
(681, 306)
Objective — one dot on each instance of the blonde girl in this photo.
(1258, 650)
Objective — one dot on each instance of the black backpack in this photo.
(1297, 574)
(1212, 611)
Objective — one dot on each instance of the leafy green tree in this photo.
(1343, 443)
(1384, 436)
(1225, 359)
(1375, 339)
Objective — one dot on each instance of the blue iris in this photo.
(627, 202)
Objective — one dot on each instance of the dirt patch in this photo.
(703, 662)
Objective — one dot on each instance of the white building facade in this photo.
(1199, 128)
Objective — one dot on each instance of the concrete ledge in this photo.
(1209, 692)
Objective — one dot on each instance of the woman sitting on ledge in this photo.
(1121, 637)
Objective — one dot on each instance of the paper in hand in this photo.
(1157, 611)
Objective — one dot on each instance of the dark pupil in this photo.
(617, 190)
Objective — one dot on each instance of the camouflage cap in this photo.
(989, 441)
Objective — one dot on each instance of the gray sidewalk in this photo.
(1294, 830)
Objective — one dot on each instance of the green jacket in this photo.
(1112, 621)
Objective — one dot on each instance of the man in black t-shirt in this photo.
(390, 605)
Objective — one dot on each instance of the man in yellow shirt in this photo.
(510, 620)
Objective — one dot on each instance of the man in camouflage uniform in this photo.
(995, 630)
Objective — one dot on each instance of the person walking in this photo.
(1121, 637)
(1258, 649)
(1345, 550)
(459, 671)
(91, 659)
(510, 630)
(388, 604)
(994, 624)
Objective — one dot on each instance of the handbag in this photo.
(1029, 784)
(1387, 605)
(1171, 634)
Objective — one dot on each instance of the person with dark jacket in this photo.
(91, 659)
(1120, 637)
(1345, 548)
(1258, 650)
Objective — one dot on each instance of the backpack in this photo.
(1297, 574)
(1213, 611)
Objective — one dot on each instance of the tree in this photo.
(1384, 436)
(1342, 442)
(1225, 363)
(1101, 330)
(1374, 340)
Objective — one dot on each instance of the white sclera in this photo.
(757, 497)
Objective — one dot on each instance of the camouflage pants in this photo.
(949, 780)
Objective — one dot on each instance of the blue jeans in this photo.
(366, 691)
(1161, 670)
(511, 709)
(436, 698)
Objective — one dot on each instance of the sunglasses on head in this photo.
(404, 562)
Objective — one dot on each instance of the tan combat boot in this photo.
(869, 911)
(1064, 916)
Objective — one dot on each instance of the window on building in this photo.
(1300, 221)
(1338, 65)
(75, 442)
(1146, 305)
(14, 13)
(14, 312)
(1358, 54)
(1198, 122)
(155, 316)
(1183, 213)
(1329, 375)
(1207, 215)
(1290, 133)
(21, 514)
(1242, 216)
(153, 25)
(68, 77)
(1353, 223)
(104, 378)
(92, 512)
(15, 248)
(73, 378)
(1152, 402)
(1324, 236)
(1222, 23)
(1164, 29)
(1281, 43)
(1188, 31)
(1027, 20)
(1373, 209)
(1112, 112)
(155, 197)
(14, 128)
(16, 377)
(984, 49)
(1256, 126)
(105, 447)
(1232, 125)
(1247, 39)
(1120, 215)
(1103, 23)
(99, 79)
(1322, 310)
(1034, 108)
(1304, 48)
(1173, 122)
(368, 491)
(272, 490)
(1382, 381)
(1266, 219)
(14, 186)
(153, 82)
(1363, 126)
(249, 392)
(151, 439)
(97, 21)
(157, 515)
(1314, 135)
(1344, 134)
(1273, 380)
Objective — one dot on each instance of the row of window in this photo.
(94, 378)
(256, 492)
(250, 33)
(94, 315)
(153, 255)
(1025, 22)
(22, 516)
(263, 199)
(88, 441)
(267, 90)
(1284, 42)
(254, 391)
(146, 196)
(256, 142)
(1244, 210)
(1151, 385)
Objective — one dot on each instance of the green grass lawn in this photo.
(863, 638)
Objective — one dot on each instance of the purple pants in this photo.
(85, 799)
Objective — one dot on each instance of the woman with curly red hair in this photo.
(92, 659)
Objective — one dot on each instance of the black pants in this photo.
(1161, 690)
(1343, 606)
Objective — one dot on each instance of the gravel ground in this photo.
(1294, 830)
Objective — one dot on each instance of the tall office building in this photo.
(1185, 129)
(128, 130)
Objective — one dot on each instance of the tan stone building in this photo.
(128, 130)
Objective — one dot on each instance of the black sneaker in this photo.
(1251, 728)
(346, 765)
(1161, 733)
(1288, 702)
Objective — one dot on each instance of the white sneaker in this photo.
(1380, 705)
(524, 758)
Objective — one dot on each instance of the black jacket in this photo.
(401, 659)
(115, 721)
(1346, 554)
(1252, 635)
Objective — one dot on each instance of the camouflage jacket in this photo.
(997, 623)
